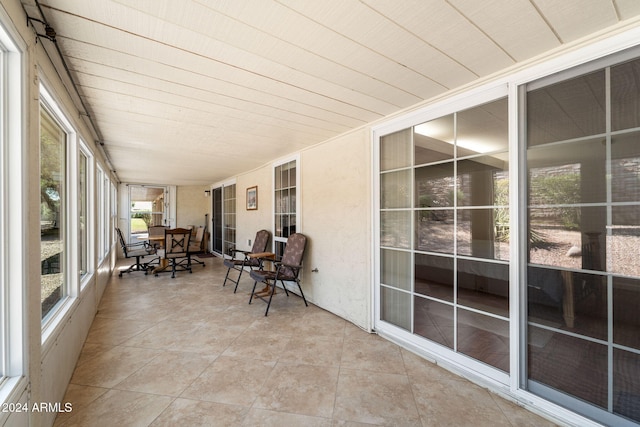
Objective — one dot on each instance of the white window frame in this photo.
(99, 206)
(13, 213)
(90, 213)
(55, 317)
(274, 165)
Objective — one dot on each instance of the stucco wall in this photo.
(336, 212)
(335, 194)
(191, 205)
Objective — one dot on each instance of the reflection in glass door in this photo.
(147, 208)
(444, 233)
(583, 218)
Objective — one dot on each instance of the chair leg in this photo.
(253, 291)
(273, 291)
(241, 269)
(226, 277)
(302, 294)
(137, 266)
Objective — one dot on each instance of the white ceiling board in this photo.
(215, 79)
(358, 23)
(627, 8)
(443, 27)
(203, 90)
(212, 25)
(514, 24)
(572, 19)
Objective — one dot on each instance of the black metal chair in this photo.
(176, 249)
(137, 251)
(287, 270)
(259, 246)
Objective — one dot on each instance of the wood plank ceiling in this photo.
(190, 92)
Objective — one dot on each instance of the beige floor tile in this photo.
(381, 399)
(185, 336)
(187, 351)
(120, 408)
(313, 350)
(258, 344)
(230, 380)
(112, 366)
(370, 352)
(195, 413)
(169, 373)
(115, 331)
(458, 403)
(264, 418)
(300, 389)
(79, 397)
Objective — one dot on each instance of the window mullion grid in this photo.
(608, 236)
(455, 232)
(412, 228)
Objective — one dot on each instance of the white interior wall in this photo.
(191, 205)
(335, 193)
(336, 217)
(250, 222)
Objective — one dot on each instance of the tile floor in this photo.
(189, 352)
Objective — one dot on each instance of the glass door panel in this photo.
(148, 207)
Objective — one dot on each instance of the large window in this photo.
(285, 177)
(53, 212)
(84, 251)
(583, 222)
(13, 217)
(444, 232)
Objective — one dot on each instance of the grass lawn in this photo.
(138, 225)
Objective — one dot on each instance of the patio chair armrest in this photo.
(296, 267)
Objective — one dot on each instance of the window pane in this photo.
(395, 150)
(52, 213)
(568, 173)
(484, 286)
(484, 338)
(434, 321)
(482, 129)
(625, 168)
(569, 364)
(569, 109)
(623, 242)
(395, 268)
(395, 307)
(395, 189)
(433, 140)
(625, 102)
(292, 174)
(626, 387)
(568, 237)
(626, 315)
(395, 229)
(434, 276)
(82, 214)
(435, 186)
(434, 230)
(484, 181)
(483, 233)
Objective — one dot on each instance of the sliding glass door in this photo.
(451, 239)
(583, 223)
(444, 232)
